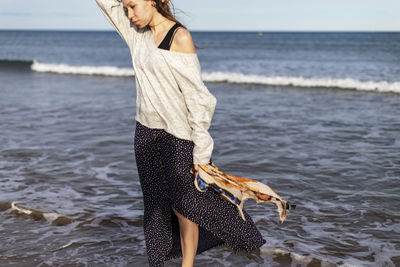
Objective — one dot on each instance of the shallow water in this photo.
(66, 147)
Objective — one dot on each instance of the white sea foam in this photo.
(49, 216)
(231, 77)
(20, 209)
(82, 70)
(296, 258)
(348, 83)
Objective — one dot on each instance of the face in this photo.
(139, 12)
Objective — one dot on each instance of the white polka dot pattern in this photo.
(164, 163)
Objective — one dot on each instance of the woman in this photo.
(174, 110)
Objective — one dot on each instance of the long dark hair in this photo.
(164, 8)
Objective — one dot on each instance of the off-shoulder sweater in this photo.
(170, 92)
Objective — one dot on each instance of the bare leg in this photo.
(189, 235)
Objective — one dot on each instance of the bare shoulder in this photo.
(183, 42)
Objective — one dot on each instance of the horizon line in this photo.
(111, 30)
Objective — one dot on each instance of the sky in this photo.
(215, 15)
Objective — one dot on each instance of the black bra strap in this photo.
(167, 41)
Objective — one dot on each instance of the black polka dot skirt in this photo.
(164, 163)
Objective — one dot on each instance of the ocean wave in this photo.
(231, 77)
(7, 64)
(60, 220)
(347, 83)
(82, 70)
(17, 209)
(284, 256)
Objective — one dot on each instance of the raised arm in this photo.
(115, 14)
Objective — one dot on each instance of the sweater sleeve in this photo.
(115, 14)
(199, 102)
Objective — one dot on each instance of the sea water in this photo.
(315, 115)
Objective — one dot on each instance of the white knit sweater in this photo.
(170, 92)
